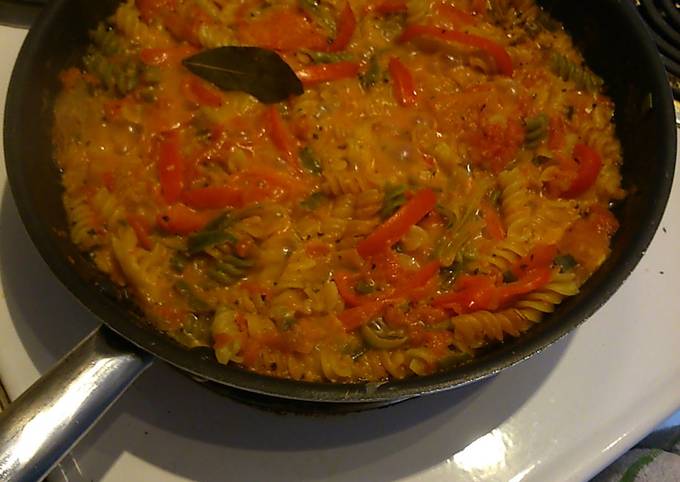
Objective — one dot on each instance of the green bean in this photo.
(309, 161)
(194, 301)
(379, 335)
(565, 262)
(178, 262)
(205, 239)
(314, 200)
(364, 287)
(393, 199)
(369, 78)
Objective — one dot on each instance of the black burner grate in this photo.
(663, 19)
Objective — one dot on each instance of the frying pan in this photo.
(53, 414)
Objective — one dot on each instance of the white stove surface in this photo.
(563, 415)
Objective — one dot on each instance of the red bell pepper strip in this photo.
(281, 136)
(413, 288)
(402, 83)
(475, 293)
(170, 168)
(141, 228)
(589, 167)
(213, 197)
(494, 224)
(531, 280)
(180, 219)
(494, 49)
(471, 293)
(316, 74)
(397, 226)
(347, 23)
(390, 6)
(358, 316)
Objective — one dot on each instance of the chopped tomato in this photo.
(150, 9)
(587, 239)
(494, 49)
(603, 220)
(316, 74)
(283, 30)
(169, 55)
(213, 197)
(347, 23)
(495, 144)
(317, 249)
(541, 256)
(170, 168)
(186, 26)
(358, 316)
(589, 167)
(392, 230)
(416, 283)
(181, 219)
(402, 82)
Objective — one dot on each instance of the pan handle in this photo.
(47, 420)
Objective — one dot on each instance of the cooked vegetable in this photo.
(393, 199)
(404, 87)
(309, 161)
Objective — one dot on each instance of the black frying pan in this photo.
(616, 45)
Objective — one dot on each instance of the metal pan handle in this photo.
(47, 420)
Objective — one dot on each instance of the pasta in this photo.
(441, 186)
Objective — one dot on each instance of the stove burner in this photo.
(663, 19)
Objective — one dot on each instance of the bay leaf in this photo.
(259, 72)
